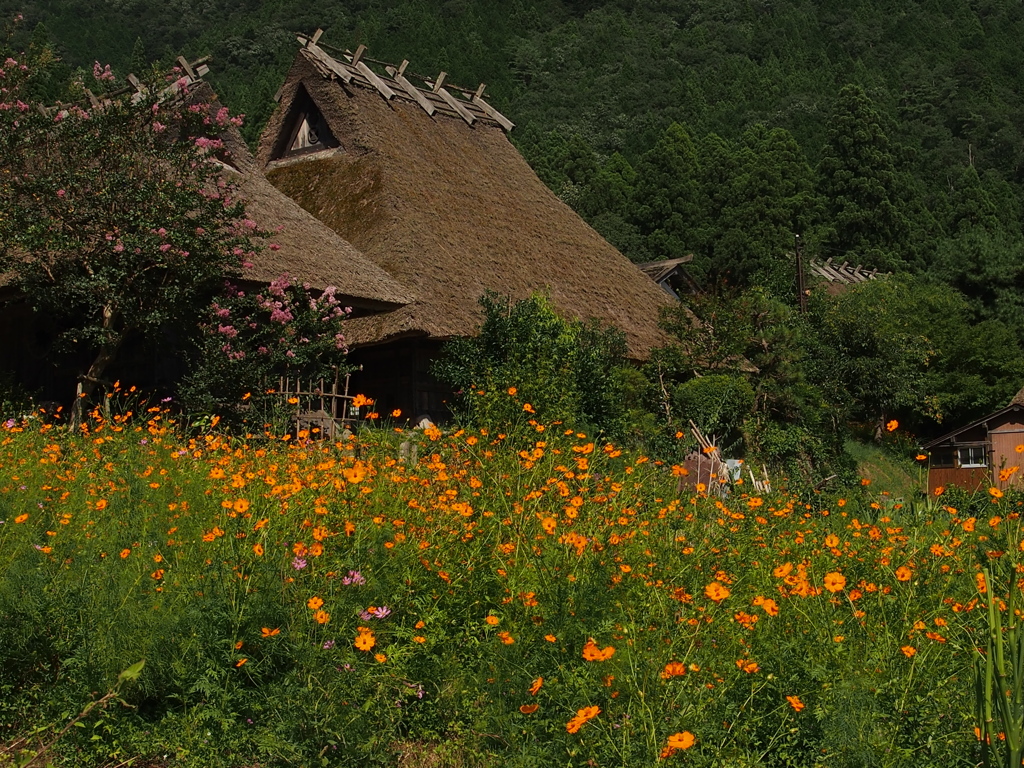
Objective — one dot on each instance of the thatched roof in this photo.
(844, 273)
(1018, 399)
(449, 209)
(308, 251)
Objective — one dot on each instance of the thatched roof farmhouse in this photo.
(406, 194)
(421, 178)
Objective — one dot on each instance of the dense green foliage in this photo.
(528, 363)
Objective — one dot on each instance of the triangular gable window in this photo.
(306, 130)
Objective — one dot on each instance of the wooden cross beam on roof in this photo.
(494, 114)
(411, 89)
(183, 63)
(357, 64)
(325, 59)
(450, 100)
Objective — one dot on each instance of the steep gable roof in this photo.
(448, 207)
(306, 249)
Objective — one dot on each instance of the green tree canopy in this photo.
(117, 222)
(865, 216)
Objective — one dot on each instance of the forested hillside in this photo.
(890, 135)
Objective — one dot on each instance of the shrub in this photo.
(530, 364)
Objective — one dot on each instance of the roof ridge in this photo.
(394, 82)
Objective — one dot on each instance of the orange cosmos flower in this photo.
(795, 703)
(365, 640)
(673, 669)
(314, 603)
(125, 553)
(380, 657)
(903, 573)
(241, 662)
(716, 591)
(21, 518)
(748, 666)
(835, 581)
(536, 686)
(240, 505)
(676, 742)
(492, 620)
(582, 716)
(512, 391)
(996, 493)
(831, 541)
(892, 426)
(322, 617)
(979, 579)
(257, 550)
(268, 632)
(782, 571)
(592, 653)
(908, 650)
(529, 709)
(506, 638)
(553, 639)
(158, 574)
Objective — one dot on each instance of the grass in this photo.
(533, 598)
(902, 479)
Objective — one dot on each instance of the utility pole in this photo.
(801, 288)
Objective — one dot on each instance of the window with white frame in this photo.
(973, 456)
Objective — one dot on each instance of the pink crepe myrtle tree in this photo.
(253, 333)
(117, 221)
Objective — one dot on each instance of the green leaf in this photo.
(133, 672)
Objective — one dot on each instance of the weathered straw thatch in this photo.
(1018, 399)
(307, 250)
(449, 209)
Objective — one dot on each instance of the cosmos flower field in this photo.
(532, 599)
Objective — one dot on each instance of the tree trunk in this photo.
(91, 379)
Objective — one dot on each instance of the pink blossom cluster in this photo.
(102, 73)
(205, 143)
(223, 118)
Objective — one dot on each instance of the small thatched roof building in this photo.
(422, 179)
